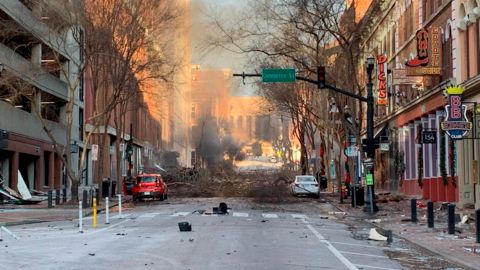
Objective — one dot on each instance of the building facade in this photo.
(31, 45)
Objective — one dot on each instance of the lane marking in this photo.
(180, 214)
(358, 245)
(375, 267)
(209, 215)
(299, 216)
(332, 249)
(238, 214)
(149, 215)
(363, 254)
(270, 215)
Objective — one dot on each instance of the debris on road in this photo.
(91, 254)
(374, 235)
(185, 226)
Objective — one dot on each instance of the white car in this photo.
(306, 185)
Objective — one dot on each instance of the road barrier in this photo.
(119, 205)
(94, 213)
(430, 215)
(80, 221)
(413, 206)
(451, 219)
(50, 199)
(57, 196)
(477, 224)
(107, 211)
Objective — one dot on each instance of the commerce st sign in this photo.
(280, 75)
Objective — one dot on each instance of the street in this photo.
(148, 237)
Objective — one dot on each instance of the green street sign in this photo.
(369, 179)
(281, 75)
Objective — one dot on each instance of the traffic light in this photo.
(321, 76)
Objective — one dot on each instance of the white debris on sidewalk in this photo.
(374, 235)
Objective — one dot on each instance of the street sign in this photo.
(384, 147)
(94, 152)
(429, 137)
(283, 75)
(351, 151)
(369, 179)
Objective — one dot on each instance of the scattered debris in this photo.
(228, 253)
(264, 220)
(375, 220)
(185, 226)
(337, 213)
(374, 235)
(323, 217)
(122, 234)
(91, 254)
(191, 240)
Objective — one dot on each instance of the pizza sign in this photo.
(456, 124)
(382, 80)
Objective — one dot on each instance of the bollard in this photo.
(50, 199)
(85, 199)
(90, 198)
(413, 206)
(107, 211)
(451, 219)
(119, 205)
(477, 224)
(64, 195)
(94, 213)
(57, 196)
(430, 214)
(80, 221)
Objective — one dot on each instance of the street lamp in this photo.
(370, 65)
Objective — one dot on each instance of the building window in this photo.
(81, 92)
(80, 124)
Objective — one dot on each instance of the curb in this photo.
(433, 251)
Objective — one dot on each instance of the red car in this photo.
(149, 186)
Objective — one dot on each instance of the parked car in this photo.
(149, 186)
(305, 185)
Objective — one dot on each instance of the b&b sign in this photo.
(429, 137)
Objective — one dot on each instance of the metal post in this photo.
(94, 213)
(451, 219)
(413, 207)
(57, 197)
(80, 221)
(119, 205)
(64, 195)
(430, 215)
(50, 199)
(85, 199)
(107, 211)
(370, 197)
(477, 224)
(370, 137)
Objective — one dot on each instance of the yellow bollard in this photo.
(94, 213)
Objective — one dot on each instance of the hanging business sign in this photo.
(456, 124)
(400, 78)
(382, 80)
(429, 136)
(428, 59)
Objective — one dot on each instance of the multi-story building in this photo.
(440, 169)
(30, 47)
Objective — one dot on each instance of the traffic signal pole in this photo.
(320, 83)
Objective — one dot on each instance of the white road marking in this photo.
(332, 249)
(298, 216)
(363, 254)
(180, 214)
(209, 215)
(238, 214)
(270, 215)
(149, 215)
(374, 267)
(358, 245)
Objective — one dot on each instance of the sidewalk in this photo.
(459, 248)
(11, 215)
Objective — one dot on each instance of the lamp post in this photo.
(370, 65)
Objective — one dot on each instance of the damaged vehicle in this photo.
(149, 186)
(305, 185)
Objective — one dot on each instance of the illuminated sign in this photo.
(382, 80)
(428, 60)
(456, 124)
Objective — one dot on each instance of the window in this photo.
(80, 124)
(81, 92)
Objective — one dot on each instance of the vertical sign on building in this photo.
(456, 124)
(428, 60)
(94, 152)
(382, 80)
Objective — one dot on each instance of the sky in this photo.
(201, 9)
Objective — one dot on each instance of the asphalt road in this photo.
(147, 237)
